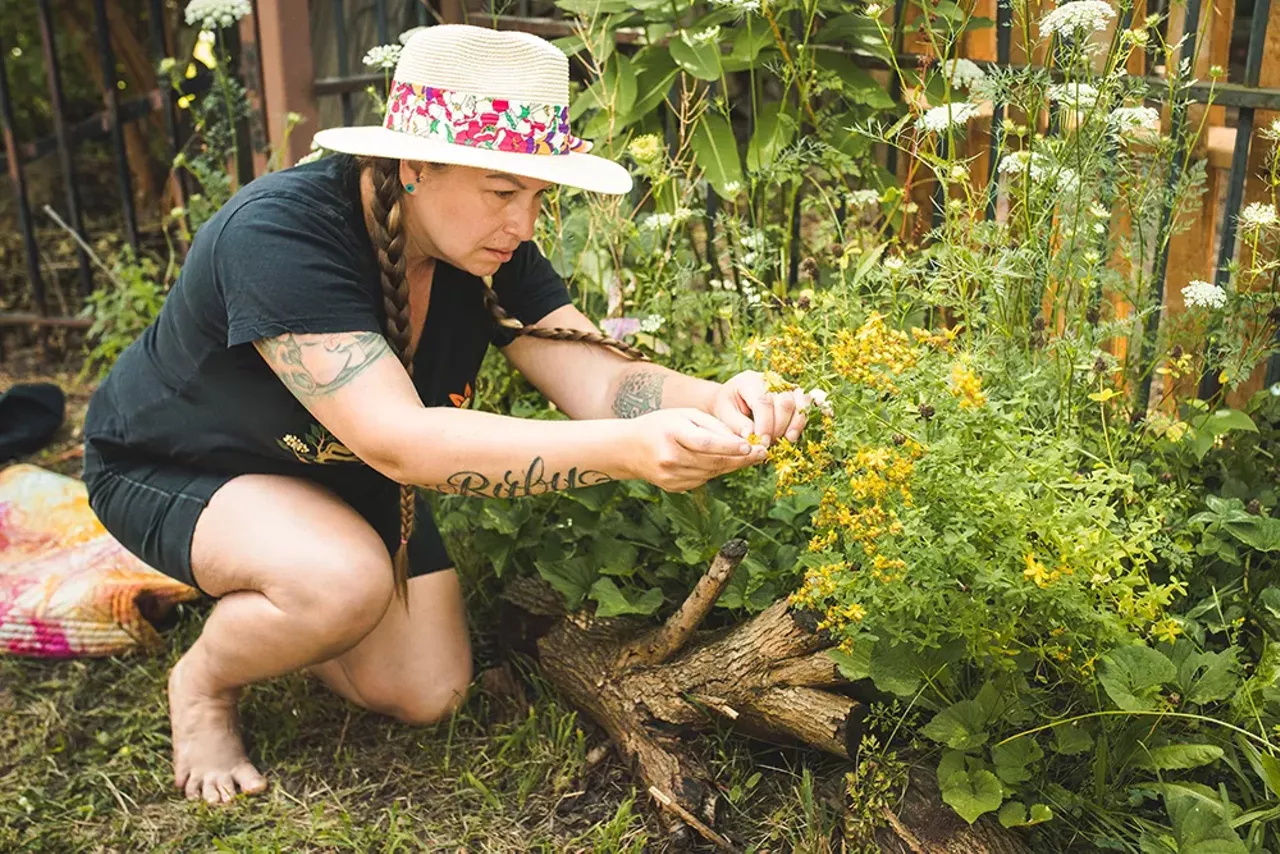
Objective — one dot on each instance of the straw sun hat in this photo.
(496, 100)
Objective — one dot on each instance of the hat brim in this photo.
(584, 171)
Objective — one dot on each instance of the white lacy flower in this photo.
(1077, 96)
(862, 199)
(409, 33)
(732, 188)
(711, 35)
(1259, 215)
(893, 263)
(1069, 182)
(652, 323)
(1135, 120)
(940, 118)
(213, 14)
(1201, 294)
(963, 73)
(742, 7)
(383, 57)
(666, 221)
(1025, 162)
(1080, 16)
(1272, 131)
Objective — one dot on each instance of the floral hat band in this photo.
(490, 123)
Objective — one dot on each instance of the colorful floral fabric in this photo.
(490, 123)
(67, 588)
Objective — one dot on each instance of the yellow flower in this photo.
(967, 386)
(862, 356)
(1036, 571)
(1167, 630)
(1104, 395)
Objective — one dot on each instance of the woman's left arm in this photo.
(590, 381)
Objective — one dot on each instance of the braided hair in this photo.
(388, 242)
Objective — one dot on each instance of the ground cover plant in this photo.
(1046, 566)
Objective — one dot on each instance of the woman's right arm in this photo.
(354, 385)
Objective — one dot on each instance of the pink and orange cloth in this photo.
(67, 588)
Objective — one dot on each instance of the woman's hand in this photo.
(746, 405)
(679, 449)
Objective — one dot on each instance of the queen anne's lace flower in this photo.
(1201, 294)
(862, 198)
(383, 57)
(940, 118)
(711, 35)
(665, 221)
(742, 7)
(1079, 16)
(1134, 120)
(1259, 215)
(1025, 162)
(963, 73)
(652, 323)
(1077, 96)
(214, 14)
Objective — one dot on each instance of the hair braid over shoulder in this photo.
(388, 242)
(502, 318)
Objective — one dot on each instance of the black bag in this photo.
(30, 415)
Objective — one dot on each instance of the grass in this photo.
(84, 766)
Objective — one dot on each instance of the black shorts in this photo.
(151, 506)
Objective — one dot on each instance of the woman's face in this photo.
(471, 218)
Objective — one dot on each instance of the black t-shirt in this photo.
(289, 253)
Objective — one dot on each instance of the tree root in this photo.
(648, 688)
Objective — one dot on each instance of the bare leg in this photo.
(416, 665)
(302, 578)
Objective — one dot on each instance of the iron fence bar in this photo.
(340, 31)
(1209, 385)
(1004, 39)
(895, 85)
(19, 181)
(60, 131)
(159, 51)
(112, 106)
(1178, 121)
(380, 18)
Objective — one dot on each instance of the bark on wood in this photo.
(770, 676)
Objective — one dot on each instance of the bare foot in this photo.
(209, 761)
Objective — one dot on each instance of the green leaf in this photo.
(1131, 676)
(614, 558)
(748, 42)
(858, 33)
(853, 666)
(655, 71)
(702, 61)
(774, 130)
(1270, 767)
(971, 794)
(1256, 532)
(1012, 758)
(1224, 421)
(716, 151)
(571, 577)
(896, 669)
(614, 603)
(1200, 825)
(1207, 677)
(1174, 757)
(1040, 813)
(1014, 814)
(960, 726)
(857, 84)
(1071, 739)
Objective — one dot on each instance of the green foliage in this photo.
(122, 309)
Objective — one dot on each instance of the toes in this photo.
(210, 791)
(226, 788)
(192, 788)
(250, 781)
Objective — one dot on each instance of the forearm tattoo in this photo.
(317, 365)
(519, 484)
(640, 392)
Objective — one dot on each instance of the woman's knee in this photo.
(423, 703)
(344, 595)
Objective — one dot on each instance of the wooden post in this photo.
(284, 49)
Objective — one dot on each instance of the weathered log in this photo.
(651, 688)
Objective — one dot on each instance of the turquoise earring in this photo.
(408, 188)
